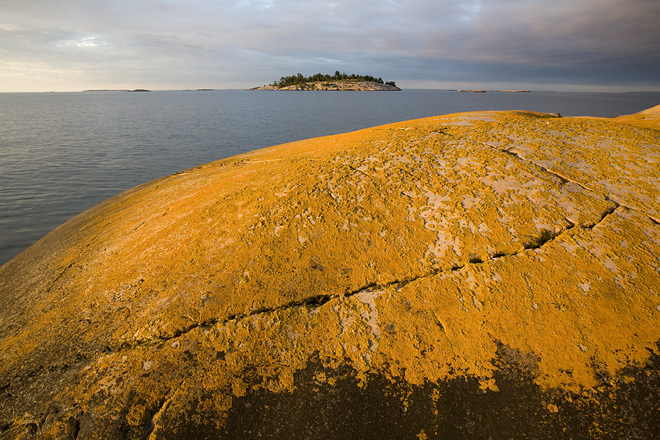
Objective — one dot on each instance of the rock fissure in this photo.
(312, 302)
(59, 276)
(153, 421)
(76, 429)
(564, 180)
(545, 237)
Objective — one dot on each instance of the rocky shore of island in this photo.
(343, 85)
(337, 82)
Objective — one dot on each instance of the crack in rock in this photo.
(544, 239)
(311, 302)
(564, 180)
(153, 421)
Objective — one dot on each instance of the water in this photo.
(62, 153)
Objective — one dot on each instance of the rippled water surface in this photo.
(62, 153)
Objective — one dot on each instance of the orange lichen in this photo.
(414, 250)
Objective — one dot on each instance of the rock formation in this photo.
(479, 275)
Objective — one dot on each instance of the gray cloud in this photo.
(73, 44)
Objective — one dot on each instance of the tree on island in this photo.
(300, 79)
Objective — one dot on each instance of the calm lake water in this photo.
(62, 153)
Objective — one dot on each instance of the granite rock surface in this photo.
(476, 275)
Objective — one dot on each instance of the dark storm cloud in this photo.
(249, 42)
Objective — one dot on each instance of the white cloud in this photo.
(85, 42)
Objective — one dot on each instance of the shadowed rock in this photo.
(477, 275)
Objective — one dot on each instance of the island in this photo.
(336, 82)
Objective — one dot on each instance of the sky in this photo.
(561, 45)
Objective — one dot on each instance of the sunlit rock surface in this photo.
(478, 275)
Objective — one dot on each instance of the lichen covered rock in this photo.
(478, 275)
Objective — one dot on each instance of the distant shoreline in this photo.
(499, 91)
(116, 90)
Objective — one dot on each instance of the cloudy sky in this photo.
(590, 45)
